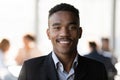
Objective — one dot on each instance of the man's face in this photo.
(64, 32)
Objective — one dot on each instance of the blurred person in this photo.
(29, 50)
(105, 50)
(94, 54)
(4, 72)
(64, 62)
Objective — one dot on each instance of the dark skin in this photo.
(64, 33)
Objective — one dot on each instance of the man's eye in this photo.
(72, 27)
(56, 28)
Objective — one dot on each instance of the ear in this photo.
(80, 32)
(48, 33)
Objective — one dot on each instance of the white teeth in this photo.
(64, 42)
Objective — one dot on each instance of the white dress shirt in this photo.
(63, 75)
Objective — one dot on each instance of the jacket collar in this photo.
(50, 68)
(80, 70)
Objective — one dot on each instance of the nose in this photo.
(64, 32)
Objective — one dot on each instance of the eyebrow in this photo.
(55, 24)
(71, 23)
(75, 23)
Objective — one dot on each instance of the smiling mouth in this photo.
(64, 41)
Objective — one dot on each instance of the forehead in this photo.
(63, 15)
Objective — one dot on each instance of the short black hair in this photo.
(4, 44)
(30, 37)
(64, 7)
(93, 44)
(105, 39)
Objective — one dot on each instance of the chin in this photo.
(64, 51)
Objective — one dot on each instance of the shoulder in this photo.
(36, 60)
(93, 66)
(90, 62)
(21, 50)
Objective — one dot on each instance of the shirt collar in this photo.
(56, 60)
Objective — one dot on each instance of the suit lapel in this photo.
(80, 70)
(50, 68)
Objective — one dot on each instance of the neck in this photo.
(67, 60)
(27, 48)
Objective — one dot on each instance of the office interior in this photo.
(98, 18)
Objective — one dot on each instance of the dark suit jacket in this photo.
(43, 68)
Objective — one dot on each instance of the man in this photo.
(106, 51)
(28, 51)
(64, 62)
(5, 74)
(94, 54)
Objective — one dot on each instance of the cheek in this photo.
(75, 35)
(51, 35)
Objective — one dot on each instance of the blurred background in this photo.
(98, 18)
